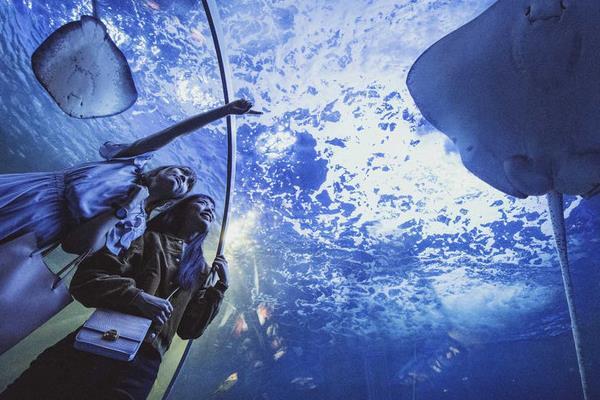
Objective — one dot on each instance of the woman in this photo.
(100, 203)
(168, 256)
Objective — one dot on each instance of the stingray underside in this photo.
(517, 96)
(84, 71)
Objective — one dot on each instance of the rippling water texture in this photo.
(356, 228)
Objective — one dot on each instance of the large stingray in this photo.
(518, 91)
(84, 71)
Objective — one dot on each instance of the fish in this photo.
(84, 71)
(517, 91)
(240, 325)
(428, 365)
(227, 383)
(304, 382)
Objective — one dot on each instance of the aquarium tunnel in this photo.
(366, 262)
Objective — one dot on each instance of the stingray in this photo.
(518, 90)
(84, 71)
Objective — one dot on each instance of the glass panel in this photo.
(366, 261)
(170, 52)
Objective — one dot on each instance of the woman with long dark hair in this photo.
(167, 259)
(193, 263)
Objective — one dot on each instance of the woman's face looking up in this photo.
(200, 214)
(171, 182)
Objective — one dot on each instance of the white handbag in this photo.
(112, 334)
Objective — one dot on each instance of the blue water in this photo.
(367, 263)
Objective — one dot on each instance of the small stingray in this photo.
(84, 71)
(517, 90)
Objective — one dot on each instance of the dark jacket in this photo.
(151, 264)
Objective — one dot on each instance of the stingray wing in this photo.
(461, 85)
(84, 71)
(517, 91)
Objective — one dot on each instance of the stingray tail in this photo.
(95, 9)
(555, 206)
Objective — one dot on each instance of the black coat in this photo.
(151, 264)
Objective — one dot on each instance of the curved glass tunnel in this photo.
(367, 263)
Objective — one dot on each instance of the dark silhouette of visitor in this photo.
(168, 256)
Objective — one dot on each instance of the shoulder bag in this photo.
(114, 334)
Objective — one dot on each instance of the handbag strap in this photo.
(207, 283)
(172, 294)
(63, 272)
(44, 251)
(66, 270)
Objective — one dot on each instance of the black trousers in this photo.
(61, 372)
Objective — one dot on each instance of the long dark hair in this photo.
(193, 261)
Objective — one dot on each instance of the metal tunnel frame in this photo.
(212, 14)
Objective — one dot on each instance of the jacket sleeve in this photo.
(103, 279)
(200, 311)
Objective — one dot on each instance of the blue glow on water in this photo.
(363, 252)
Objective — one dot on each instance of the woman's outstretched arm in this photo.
(166, 136)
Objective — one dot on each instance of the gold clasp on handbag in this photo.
(110, 335)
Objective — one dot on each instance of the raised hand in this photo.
(162, 138)
(238, 107)
(155, 308)
(221, 267)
